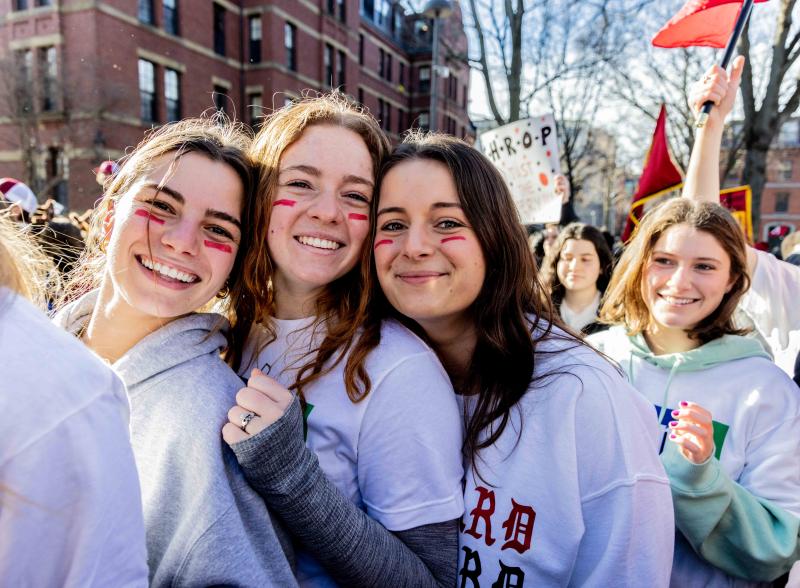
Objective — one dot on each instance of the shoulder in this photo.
(612, 341)
(400, 349)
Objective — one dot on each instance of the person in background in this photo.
(19, 198)
(105, 170)
(70, 504)
(575, 273)
(790, 248)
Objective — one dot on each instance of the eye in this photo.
(705, 267)
(299, 184)
(160, 205)
(449, 224)
(392, 226)
(662, 261)
(357, 196)
(220, 232)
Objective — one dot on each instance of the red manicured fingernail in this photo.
(676, 413)
(673, 423)
(673, 436)
(684, 403)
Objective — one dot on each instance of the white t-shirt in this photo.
(772, 305)
(576, 320)
(573, 492)
(397, 453)
(70, 506)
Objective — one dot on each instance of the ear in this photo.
(108, 221)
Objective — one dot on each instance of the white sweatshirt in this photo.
(573, 492)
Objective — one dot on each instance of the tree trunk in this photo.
(755, 174)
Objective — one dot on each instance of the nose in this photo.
(572, 264)
(680, 278)
(181, 237)
(417, 243)
(326, 207)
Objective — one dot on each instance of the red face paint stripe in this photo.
(357, 216)
(446, 239)
(151, 217)
(220, 246)
(284, 202)
(383, 242)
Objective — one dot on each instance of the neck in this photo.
(115, 327)
(291, 303)
(454, 342)
(577, 300)
(664, 340)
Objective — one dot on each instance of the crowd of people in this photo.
(309, 358)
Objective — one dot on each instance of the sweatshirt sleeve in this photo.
(740, 533)
(355, 549)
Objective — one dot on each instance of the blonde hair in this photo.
(624, 303)
(789, 243)
(219, 140)
(24, 267)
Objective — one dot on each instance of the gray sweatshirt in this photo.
(204, 524)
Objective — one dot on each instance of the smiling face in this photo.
(429, 262)
(685, 278)
(578, 265)
(171, 250)
(320, 211)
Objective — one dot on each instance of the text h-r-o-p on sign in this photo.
(526, 153)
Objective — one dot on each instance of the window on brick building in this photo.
(341, 9)
(44, 2)
(20, 4)
(401, 73)
(341, 63)
(785, 169)
(424, 121)
(368, 9)
(388, 70)
(401, 121)
(254, 30)
(220, 98)
(361, 96)
(361, 49)
(290, 43)
(381, 62)
(424, 79)
(782, 202)
(147, 91)
(219, 29)
(172, 94)
(387, 114)
(170, 8)
(466, 95)
(48, 69)
(146, 12)
(328, 65)
(255, 109)
(331, 4)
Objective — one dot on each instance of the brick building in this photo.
(80, 81)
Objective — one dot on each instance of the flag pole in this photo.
(744, 15)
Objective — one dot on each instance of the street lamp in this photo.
(435, 9)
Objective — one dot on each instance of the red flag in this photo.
(659, 175)
(700, 23)
(739, 201)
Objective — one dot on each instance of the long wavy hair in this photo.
(339, 305)
(624, 302)
(24, 267)
(512, 315)
(219, 140)
(578, 231)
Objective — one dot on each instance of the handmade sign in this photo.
(526, 153)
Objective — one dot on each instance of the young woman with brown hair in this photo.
(576, 272)
(562, 487)
(730, 417)
(383, 433)
(173, 234)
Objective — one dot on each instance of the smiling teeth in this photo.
(677, 301)
(170, 272)
(319, 243)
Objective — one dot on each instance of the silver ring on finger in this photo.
(245, 420)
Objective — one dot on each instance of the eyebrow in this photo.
(434, 206)
(693, 259)
(178, 197)
(313, 171)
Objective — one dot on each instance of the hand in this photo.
(265, 398)
(562, 187)
(718, 87)
(693, 432)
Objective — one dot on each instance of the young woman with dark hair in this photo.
(576, 272)
(562, 484)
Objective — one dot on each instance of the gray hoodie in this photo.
(205, 525)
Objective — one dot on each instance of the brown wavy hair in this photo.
(219, 140)
(511, 313)
(550, 264)
(339, 305)
(624, 303)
